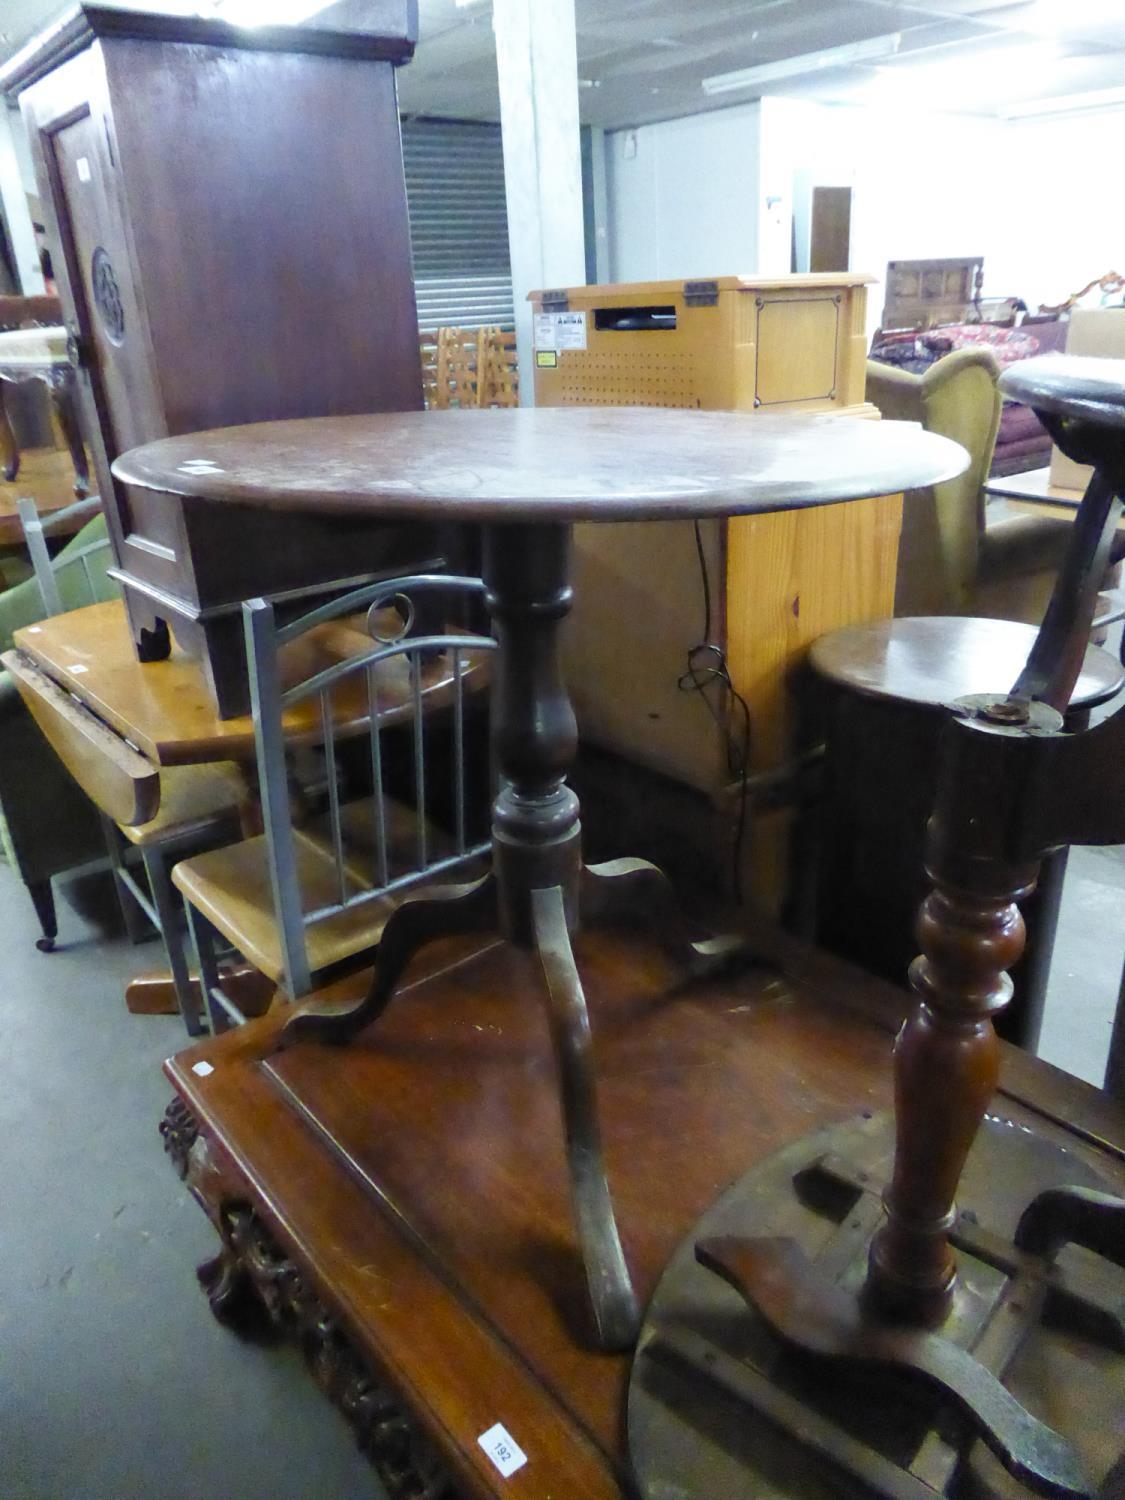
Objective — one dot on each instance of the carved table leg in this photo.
(533, 895)
(947, 1062)
(62, 399)
(153, 644)
(614, 1304)
(421, 919)
(621, 885)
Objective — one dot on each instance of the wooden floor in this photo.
(47, 475)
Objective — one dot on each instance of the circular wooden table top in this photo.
(547, 464)
(1070, 385)
(934, 659)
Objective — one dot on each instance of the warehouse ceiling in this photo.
(645, 60)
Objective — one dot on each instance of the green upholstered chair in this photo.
(47, 824)
(959, 555)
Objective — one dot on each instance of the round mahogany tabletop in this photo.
(547, 463)
(1070, 385)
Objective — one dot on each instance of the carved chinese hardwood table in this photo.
(527, 476)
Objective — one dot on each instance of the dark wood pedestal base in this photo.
(406, 1197)
(806, 1397)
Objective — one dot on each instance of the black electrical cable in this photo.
(697, 679)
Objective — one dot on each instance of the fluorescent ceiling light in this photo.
(1064, 104)
(804, 64)
(1053, 15)
(982, 75)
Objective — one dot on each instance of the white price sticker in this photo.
(202, 1069)
(83, 166)
(503, 1450)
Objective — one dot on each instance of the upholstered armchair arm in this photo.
(23, 604)
(897, 393)
(958, 398)
(951, 366)
(961, 400)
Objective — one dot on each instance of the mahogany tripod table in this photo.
(527, 475)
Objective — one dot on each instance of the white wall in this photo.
(683, 196)
(925, 186)
(16, 181)
(1036, 198)
(1065, 222)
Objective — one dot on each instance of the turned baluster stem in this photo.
(535, 824)
(946, 1070)
(947, 1054)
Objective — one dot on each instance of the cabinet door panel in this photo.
(114, 330)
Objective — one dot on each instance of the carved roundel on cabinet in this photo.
(107, 298)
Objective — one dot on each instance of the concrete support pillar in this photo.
(537, 62)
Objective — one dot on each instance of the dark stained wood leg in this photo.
(43, 899)
(536, 833)
(220, 646)
(231, 1293)
(1073, 1216)
(614, 1304)
(9, 447)
(947, 1063)
(421, 919)
(537, 856)
(532, 895)
(153, 644)
(636, 885)
(152, 639)
(62, 399)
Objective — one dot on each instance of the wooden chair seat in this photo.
(883, 691)
(192, 799)
(357, 828)
(231, 887)
(933, 659)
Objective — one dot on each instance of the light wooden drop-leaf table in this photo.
(116, 722)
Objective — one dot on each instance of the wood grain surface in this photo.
(418, 1175)
(165, 707)
(123, 783)
(936, 659)
(553, 464)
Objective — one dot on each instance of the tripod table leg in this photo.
(612, 1299)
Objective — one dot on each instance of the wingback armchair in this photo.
(959, 555)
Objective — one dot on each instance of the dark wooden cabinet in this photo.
(227, 216)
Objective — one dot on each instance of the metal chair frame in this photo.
(264, 640)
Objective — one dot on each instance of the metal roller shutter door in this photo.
(458, 223)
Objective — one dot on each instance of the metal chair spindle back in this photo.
(269, 702)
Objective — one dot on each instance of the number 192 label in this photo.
(503, 1450)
